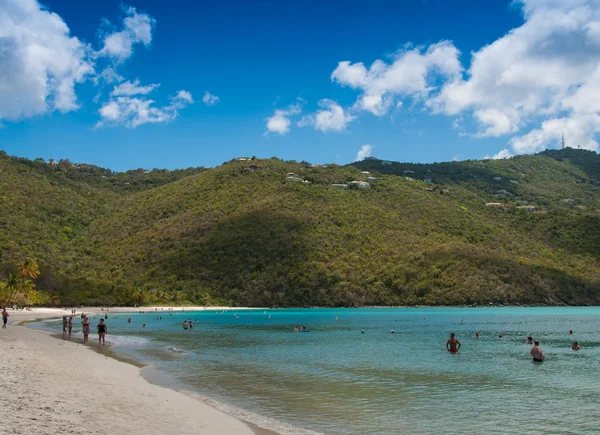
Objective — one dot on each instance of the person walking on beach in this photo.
(85, 328)
(536, 352)
(452, 345)
(102, 330)
(70, 325)
(4, 318)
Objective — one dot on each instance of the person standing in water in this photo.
(576, 346)
(453, 345)
(85, 328)
(4, 318)
(536, 352)
(65, 324)
(185, 325)
(102, 330)
(191, 325)
(70, 325)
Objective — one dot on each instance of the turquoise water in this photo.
(336, 380)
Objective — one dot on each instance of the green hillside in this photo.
(246, 234)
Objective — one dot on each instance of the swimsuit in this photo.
(101, 329)
(538, 360)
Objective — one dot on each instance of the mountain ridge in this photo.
(249, 233)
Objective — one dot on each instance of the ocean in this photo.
(337, 380)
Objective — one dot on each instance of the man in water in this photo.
(452, 345)
(185, 325)
(477, 335)
(536, 352)
(529, 340)
(576, 346)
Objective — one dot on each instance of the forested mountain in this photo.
(275, 233)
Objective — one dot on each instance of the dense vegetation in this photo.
(246, 234)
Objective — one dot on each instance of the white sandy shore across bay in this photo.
(52, 386)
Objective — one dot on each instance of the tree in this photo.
(28, 269)
(12, 286)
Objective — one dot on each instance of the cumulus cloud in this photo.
(132, 111)
(281, 122)
(411, 73)
(539, 80)
(128, 89)
(210, 99)
(109, 75)
(503, 154)
(545, 72)
(331, 117)
(137, 29)
(365, 151)
(40, 62)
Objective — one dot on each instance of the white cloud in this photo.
(184, 97)
(281, 122)
(545, 73)
(365, 151)
(412, 73)
(503, 154)
(131, 112)
(40, 63)
(210, 99)
(331, 117)
(109, 75)
(128, 89)
(137, 28)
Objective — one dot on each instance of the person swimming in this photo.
(392, 332)
(576, 346)
(536, 352)
(570, 332)
(477, 335)
(499, 336)
(529, 340)
(129, 320)
(362, 331)
(453, 345)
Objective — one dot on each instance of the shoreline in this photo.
(61, 386)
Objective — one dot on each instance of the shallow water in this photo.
(336, 380)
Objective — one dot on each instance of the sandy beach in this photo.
(52, 386)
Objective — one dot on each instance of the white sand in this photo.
(50, 386)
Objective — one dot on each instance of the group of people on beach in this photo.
(102, 329)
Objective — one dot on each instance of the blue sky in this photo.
(121, 85)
